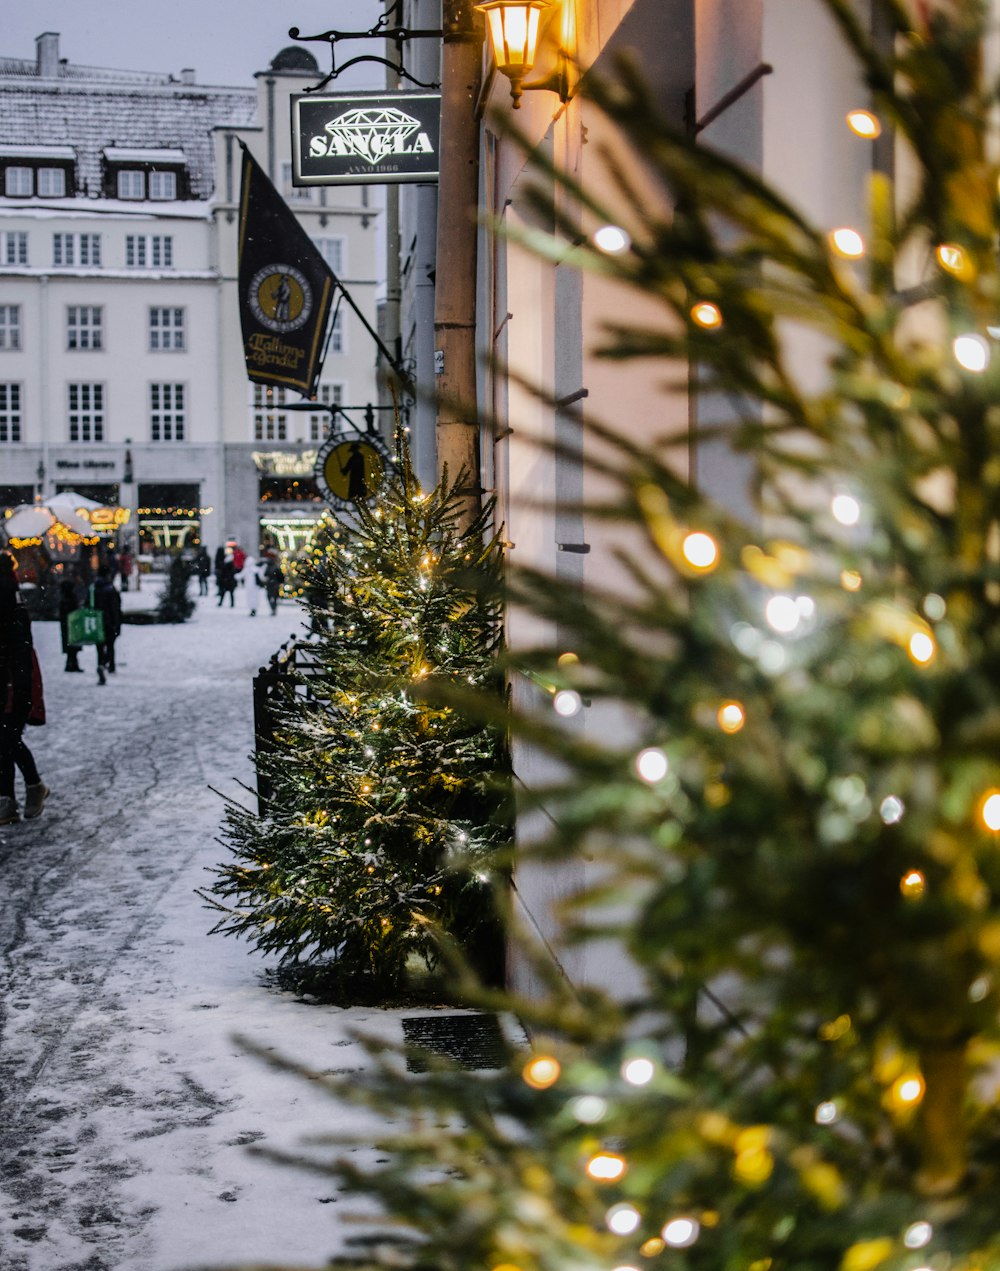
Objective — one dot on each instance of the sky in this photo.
(225, 41)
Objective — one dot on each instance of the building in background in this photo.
(121, 371)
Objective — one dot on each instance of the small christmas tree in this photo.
(797, 851)
(174, 604)
(386, 804)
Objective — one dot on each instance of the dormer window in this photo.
(43, 172)
(156, 174)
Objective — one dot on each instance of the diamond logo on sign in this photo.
(365, 138)
(374, 134)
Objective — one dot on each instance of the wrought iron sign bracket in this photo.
(386, 28)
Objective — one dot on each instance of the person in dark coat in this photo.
(21, 701)
(227, 579)
(69, 599)
(107, 599)
(203, 567)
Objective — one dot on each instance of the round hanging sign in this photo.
(350, 468)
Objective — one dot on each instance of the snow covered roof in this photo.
(37, 152)
(86, 114)
(153, 154)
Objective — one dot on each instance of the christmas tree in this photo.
(174, 604)
(797, 848)
(385, 805)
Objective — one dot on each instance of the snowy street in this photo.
(126, 1108)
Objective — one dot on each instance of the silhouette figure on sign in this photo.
(354, 471)
(282, 300)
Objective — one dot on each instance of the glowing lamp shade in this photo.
(513, 26)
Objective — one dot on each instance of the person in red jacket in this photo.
(21, 701)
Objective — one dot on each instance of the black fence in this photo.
(290, 671)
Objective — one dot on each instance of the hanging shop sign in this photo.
(285, 287)
(351, 467)
(365, 138)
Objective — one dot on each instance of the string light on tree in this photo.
(623, 1219)
(706, 314)
(847, 242)
(700, 551)
(989, 810)
(567, 703)
(731, 717)
(681, 1233)
(972, 353)
(639, 1071)
(652, 764)
(921, 648)
(541, 1072)
(606, 1167)
(846, 509)
(612, 240)
(864, 124)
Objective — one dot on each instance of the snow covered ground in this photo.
(126, 1107)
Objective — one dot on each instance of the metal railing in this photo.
(289, 671)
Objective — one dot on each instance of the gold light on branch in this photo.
(514, 27)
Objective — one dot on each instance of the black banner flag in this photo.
(285, 285)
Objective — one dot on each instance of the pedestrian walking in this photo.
(226, 578)
(273, 579)
(125, 567)
(21, 701)
(252, 582)
(69, 599)
(203, 568)
(107, 599)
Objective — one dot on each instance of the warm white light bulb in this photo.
(700, 550)
(846, 509)
(679, 1233)
(972, 353)
(826, 1112)
(921, 647)
(990, 812)
(863, 124)
(917, 1235)
(847, 242)
(783, 614)
(612, 240)
(590, 1108)
(567, 702)
(638, 1072)
(891, 809)
(623, 1219)
(652, 764)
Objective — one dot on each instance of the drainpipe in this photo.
(457, 427)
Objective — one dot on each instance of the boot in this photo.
(8, 811)
(34, 800)
(73, 661)
(101, 677)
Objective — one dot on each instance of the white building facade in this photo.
(121, 370)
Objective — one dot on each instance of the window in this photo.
(163, 185)
(76, 249)
(83, 327)
(319, 424)
(131, 184)
(337, 342)
(51, 183)
(166, 329)
(332, 251)
(166, 412)
(293, 191)
(86, 412)
(18, 181)
(270, 423)
(10, 412)
(149, 251)
(13, 247)
(10, 326)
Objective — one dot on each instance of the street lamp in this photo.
(514, 27)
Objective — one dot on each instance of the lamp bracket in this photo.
(386, 28)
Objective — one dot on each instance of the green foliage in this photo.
(174, 604)
(808, 898)
(386, 803)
